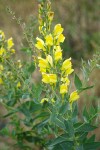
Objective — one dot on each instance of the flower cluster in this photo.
(7, 68)
(55, 72)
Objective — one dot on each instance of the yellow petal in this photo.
(10, 43)
(63, 89)
(50, 60)
(49, 40)
(58, 29)
(58, 55)
(73, 96)
(39, 44)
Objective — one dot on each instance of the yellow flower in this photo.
(63, 88)
(1, 81)
(18, 85)
(40, 44)
(50, 15)
(73, 96)
(69, 71)
(60, 39)
(50, 60)
(10, 43)
(44, 100)
(58, 30)
(49, 40)
(45, 78)
(12, 51)
(66, 64)
(2, 51)
(65, 80)
(58, 55)
(43, 64)
(49, 78)
(53, 78)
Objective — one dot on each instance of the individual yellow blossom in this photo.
(65, 80)
(44, 100)
(1, 81)
(50, 60)
(1, 68)
(50, 15)
(69, 71)
(40, 44)
(2, 35)
(66, 64)
(12, 51)
(18, 85)
(73, 96)
(58, 55)
(43, 64)
(45, 78)
(49, 40)
(2, 51)
(49, 78)
(60, 38)
(63, 88)
(53, 78)
(10, 43)
(58, 30)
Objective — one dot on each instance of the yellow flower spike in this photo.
(63, 89)
(50, 60)
(18, 85)
(58, 55)
(58, 30)
(1, 81)
(10, 43)
(44, 100)
(73, 96)
(60, 39)
(2, 51)
(49, 40)
(40, 44)
(66, 64)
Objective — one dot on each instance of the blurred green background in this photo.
(80, 20)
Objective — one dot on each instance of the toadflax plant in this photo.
(50, 112)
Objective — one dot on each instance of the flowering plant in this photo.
(50, 109)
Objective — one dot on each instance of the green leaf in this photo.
(91, 146)
(31, 67)
(10, 113)
(60, 124)
(77, 82)
(85, 128)
(85, 115)
(86, 88)
(91, 139)
(69, 127)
